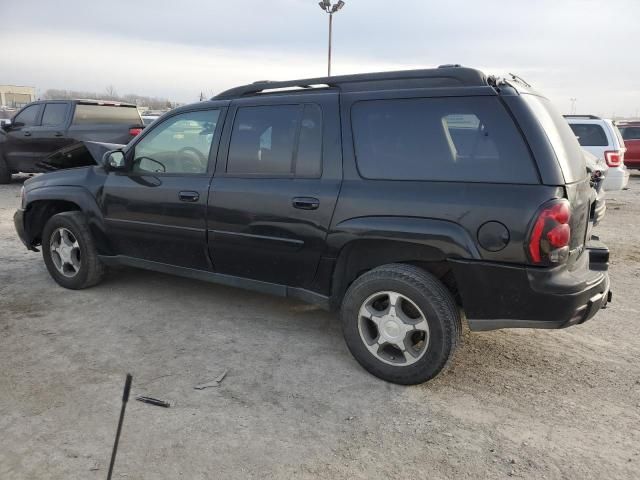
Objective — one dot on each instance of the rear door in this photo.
(275, 187)
(51, 133)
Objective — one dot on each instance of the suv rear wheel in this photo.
(400, 323)
(69, 251)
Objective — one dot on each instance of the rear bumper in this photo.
(616, 179)
(498, 296)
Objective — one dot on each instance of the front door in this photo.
(156, 209)
(51, 133)
(18, 149)
(275, 188)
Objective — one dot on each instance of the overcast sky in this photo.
(178, 48)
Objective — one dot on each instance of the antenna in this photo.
(125, 399)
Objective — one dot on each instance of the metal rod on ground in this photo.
(125, 399)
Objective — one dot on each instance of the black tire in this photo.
(5, 174)
(430, 296)
(91, 270)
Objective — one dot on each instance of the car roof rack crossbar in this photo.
(442, 77)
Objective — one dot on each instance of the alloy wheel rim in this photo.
(393, 328)
(65, 252)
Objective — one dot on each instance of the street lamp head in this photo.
(337, 6)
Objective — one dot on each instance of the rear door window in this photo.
(105, 114)
(468, 139)
(54, 114)
(276, 141)
(589, 134)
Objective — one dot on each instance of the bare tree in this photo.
(111, 93)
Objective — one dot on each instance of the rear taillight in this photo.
(550, 235)
(613, 158)
(134, 131)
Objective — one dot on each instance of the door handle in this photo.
(305, 203)
(59, 134)
(27, 134)
(189, 196)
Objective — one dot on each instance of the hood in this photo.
(81, 154)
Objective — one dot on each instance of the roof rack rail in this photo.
(590, 117)
(445, 75)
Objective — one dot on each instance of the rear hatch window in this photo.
(106, 114)
(589, 134)
(562, 139)
(630, 133)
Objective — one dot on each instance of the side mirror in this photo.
(114, 160)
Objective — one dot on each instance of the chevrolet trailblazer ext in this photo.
(399, 198)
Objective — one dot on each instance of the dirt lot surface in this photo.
(295, 404)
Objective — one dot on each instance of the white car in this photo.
(600, 137)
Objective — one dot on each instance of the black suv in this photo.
(402, 199)
(44, 127)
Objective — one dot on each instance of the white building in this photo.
(16, 96)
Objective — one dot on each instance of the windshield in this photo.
(562, 139)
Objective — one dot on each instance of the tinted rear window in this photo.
(563, 140)
(630, 133)
(106, 114)
(469, 139)
(589, 134)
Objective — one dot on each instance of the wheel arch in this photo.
(43, 203)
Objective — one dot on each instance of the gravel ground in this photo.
(528, 404)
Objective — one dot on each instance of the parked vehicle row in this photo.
(631, 134)
(396, 198)
(41, 128)
(602, 138)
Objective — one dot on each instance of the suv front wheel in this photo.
(400, 323)
(69, 251)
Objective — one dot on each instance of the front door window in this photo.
(180, 144)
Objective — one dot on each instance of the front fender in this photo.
(72, 195)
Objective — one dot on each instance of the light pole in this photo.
(330, 9)
(573, 101)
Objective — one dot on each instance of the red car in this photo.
(631, 135)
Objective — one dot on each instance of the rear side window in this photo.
(27, 117)
(105, 114)
(276, 140)
(562, 139)
(589, 134)
(469, 139)
(54, 114)
(630, 133)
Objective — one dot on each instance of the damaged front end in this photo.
(81, 154)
